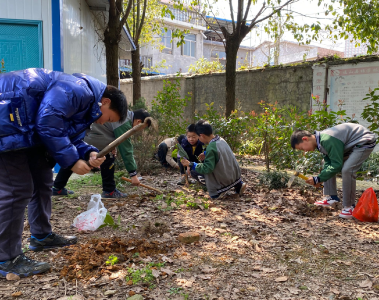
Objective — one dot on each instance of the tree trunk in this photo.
(136, 73)
(111, 54)
(231, 50)
(112, 38)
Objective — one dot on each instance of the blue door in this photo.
(21, 44)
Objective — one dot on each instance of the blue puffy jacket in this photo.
(38, 106)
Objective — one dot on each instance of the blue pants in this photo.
(26, 179)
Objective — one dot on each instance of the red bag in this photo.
(367, 207)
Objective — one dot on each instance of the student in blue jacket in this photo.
(43, 119)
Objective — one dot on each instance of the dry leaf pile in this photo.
(266, 245)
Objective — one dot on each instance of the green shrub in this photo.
(168, 108)
(274, 126)
(234, 130)
(370, 112)
(274, 179)
(371, 166)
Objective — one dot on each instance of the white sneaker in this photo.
(326, 201)
(347, 213)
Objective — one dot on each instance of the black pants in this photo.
(200, 178)
(25, 180)
(107, 175)
(162, 152)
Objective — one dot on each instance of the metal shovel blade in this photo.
(291, 181)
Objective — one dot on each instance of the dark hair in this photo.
(118, 101)
(140, 114)
(203, 127)
(181, 138)
(191, 128)
(297, 137)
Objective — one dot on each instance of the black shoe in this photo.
(23, 267)
(53, 240)
(62, 192)
(113, 195)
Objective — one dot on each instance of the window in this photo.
(218, 54)
(166, 37)
(189, 47)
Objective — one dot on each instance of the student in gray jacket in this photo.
(220, 167)
(345, 147)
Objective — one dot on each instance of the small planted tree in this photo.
(370, 112)
(168, 108)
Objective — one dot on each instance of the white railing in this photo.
(146, 60)
(187, 16)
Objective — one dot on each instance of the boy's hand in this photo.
(95, 162)
(312, 182)
(135, 180)
(81, 167)
(201, 156)
(184, 162)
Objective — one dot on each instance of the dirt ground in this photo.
(265, 245)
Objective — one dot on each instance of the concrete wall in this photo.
(290, 85)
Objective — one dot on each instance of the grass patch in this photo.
(179, 198)
(144, 275)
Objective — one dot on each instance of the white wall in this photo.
(37, 10)
(83, 52)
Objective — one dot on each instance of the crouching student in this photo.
(345, 147)
(194, 148)
(220, 167)
(166, 150)
(101, 136)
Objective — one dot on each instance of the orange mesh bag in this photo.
(367, 207)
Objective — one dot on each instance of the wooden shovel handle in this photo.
(143, 185)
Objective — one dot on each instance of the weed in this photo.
(274, 179)
(136, 254)
(174, 290)
(25, 248)
(144, 275)
(112, 260)
(108, 221)
(227, 234)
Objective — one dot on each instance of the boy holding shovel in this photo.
(345, 147)
(43, 118)
(100, 136)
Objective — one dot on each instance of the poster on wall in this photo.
(349, 84)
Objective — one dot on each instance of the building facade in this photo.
(60, 35)
(289, 52)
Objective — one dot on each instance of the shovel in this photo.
(297, 174)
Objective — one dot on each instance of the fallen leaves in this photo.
(281, 279)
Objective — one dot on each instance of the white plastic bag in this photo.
(94, 217)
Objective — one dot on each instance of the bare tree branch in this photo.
(252, 23)
(142, 19)
(209, 24)
(239, 16)
(126, 14)
(247, 10)
(270, 15)
(232, 15)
